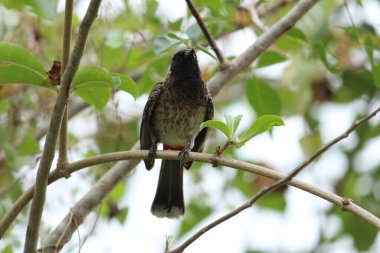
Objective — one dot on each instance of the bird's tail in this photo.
(168, 201)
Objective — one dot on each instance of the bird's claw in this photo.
(152, 152)
(184, 154)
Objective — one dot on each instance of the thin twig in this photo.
(62, 147)
(277, 184)
(206, 32)
(35, 215)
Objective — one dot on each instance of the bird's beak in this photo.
(189, 51)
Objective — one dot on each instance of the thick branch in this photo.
(38, 202)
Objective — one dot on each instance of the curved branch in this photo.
(91, 199)
(232, 163)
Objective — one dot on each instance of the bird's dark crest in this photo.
(185, 65)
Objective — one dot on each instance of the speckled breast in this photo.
(176, 121)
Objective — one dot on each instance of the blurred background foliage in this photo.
(324, 60)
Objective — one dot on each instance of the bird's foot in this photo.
(152, 152)
(184, 154)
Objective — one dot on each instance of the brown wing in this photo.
(147, 138)
(200, 140)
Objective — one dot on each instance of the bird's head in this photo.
(185, 64)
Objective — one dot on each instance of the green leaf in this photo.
(233, 123)
(4, 106)
(95, 96)
(176, 25)
(359, 2)
(376, 74)
(92, 77)
(359, 82)
(93, 85)
(122, 215)
(327, 59)
(292, 40)
(14, 73)
(260, 125)
(297, 33)
(117, 193)
(15, 54)
(363, 234)
(269, 58)
(194, 32)
(368, 46)
(263, 98)
(151, 7)
(206, 51)
(29, 146)
(125, 83)
(174, 36)
(275, 201)
(352, 32)
(164, 43)
(8, 249)
(311, 142)
(44, 9)
(217, 124)
(112, 57)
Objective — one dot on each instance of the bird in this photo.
(173, 113)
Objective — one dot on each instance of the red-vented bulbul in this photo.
(172, 116)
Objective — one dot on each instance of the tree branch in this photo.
(92, 197)
(206, 32)
(38, 202)
(344, 203)
(62, 147)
